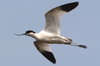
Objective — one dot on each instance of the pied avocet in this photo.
(51, 33)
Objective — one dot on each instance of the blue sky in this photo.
(82, 25)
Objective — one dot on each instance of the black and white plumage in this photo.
(53, 17)
(51, 33)
(45, 50)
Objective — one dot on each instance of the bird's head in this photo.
(27, 33)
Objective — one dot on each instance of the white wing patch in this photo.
(42, 46)
(53, 20)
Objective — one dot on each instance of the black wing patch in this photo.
(49, 56)
(70, 6)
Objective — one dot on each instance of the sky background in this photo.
(82, 25)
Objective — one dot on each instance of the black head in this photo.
(29, 31)
(26, 33)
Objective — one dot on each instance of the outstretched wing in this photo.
(45, 50)
(53, 17)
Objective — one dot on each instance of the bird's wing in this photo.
(53, 17)
(45, 50)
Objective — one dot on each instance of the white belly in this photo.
(51, 38)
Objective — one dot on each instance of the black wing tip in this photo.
(49, 56)
(70, 6)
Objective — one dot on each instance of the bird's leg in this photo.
(78, 45)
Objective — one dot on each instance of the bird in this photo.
(51, 33)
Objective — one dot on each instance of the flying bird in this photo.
(51, 33)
